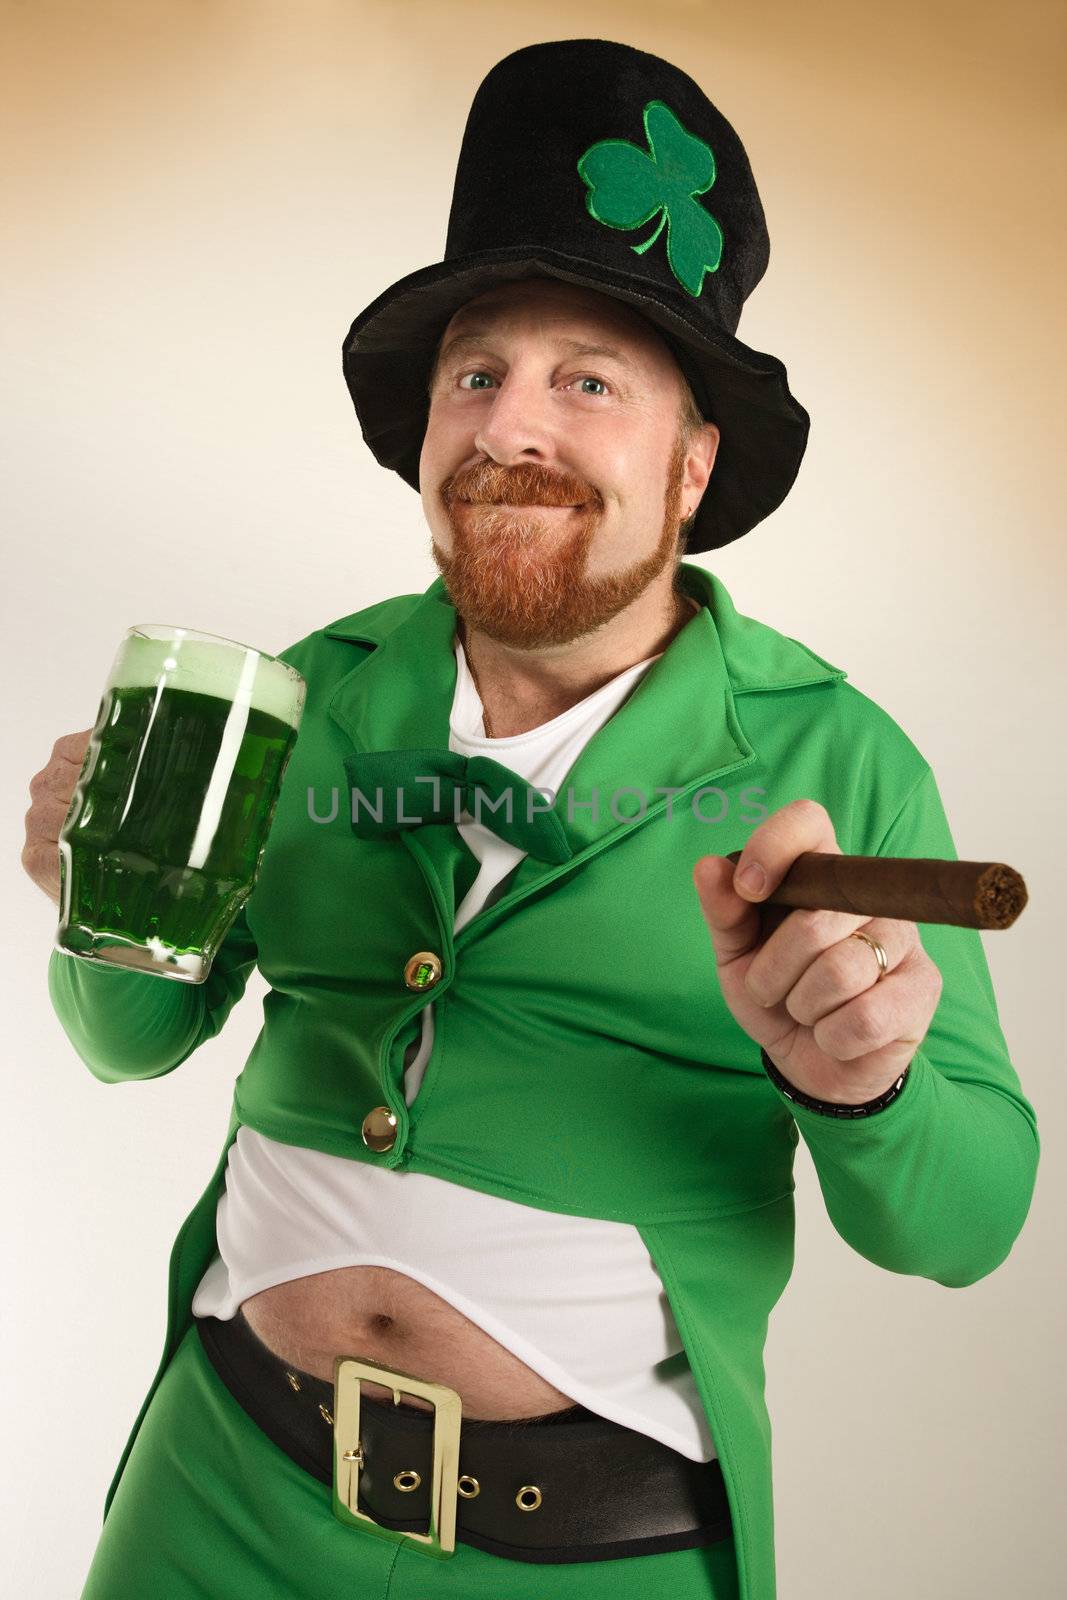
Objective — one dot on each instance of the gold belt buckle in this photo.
(348, 1457)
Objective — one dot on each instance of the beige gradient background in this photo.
(197, 199)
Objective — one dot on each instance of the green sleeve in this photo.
(127, 1025)
(938, 1184)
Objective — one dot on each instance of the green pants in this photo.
(208, 1508)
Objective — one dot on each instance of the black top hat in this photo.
(601, 165)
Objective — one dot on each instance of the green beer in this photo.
(171, 811)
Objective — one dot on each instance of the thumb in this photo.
(733, 922)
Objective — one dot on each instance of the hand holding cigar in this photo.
(839, 1003)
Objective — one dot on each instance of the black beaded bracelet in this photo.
(827, 1108)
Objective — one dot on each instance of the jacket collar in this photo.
(756, 656)
(678, 730)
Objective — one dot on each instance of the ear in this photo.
(700, 459)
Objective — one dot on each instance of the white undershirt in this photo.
(577, 1299)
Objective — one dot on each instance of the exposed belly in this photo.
(383, 1315)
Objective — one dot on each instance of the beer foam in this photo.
(203, 667)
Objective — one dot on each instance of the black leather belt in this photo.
(573, 1486)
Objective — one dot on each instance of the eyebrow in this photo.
(575, 347)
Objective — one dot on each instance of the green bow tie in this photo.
(413, 787)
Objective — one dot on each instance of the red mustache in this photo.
(527, 484)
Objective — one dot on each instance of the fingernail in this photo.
(752, 878)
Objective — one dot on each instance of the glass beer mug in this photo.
(171, 811)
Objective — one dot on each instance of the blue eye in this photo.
(481, 373)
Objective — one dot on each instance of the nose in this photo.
(517, 424)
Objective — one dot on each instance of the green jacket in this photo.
(583, 1058)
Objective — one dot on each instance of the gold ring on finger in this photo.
(879, 952)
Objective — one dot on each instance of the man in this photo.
(620, 1040)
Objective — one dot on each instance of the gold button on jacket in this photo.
(379, 1129)
(422, 970)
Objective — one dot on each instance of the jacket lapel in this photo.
(400, 697)
(677, 731)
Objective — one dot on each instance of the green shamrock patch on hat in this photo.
(626, 186)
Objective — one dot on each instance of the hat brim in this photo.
(388, 354)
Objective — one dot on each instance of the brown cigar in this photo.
(967, 894)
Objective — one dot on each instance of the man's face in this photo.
(554, 479)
